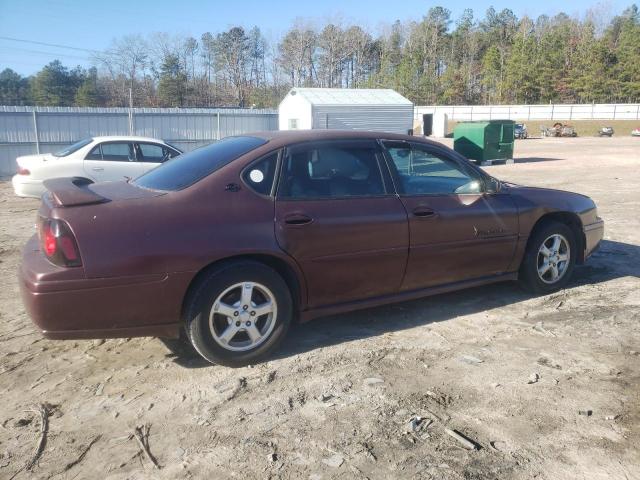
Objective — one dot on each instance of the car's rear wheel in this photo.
(238, 313)
(549, 260)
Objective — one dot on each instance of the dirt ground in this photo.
(547, 387)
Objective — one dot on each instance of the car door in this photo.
(110, 161)
(150, 155)
(337, 216)
(458, 229)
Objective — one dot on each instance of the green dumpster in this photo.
(485, 141)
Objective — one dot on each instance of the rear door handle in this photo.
(424, 212)
(97, 169)
(297, 219)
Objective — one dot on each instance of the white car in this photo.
(98, 159)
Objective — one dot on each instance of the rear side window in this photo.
(117, 152)
(188, 168)
(259, 176)
(113, 152)
(332, 172)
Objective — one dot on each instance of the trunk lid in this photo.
(30, 162)
(76, 191)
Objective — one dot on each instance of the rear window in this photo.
(188, 168)
(73, 148)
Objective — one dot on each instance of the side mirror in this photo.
(492, 185)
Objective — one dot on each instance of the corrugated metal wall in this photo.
(596, 111)
(377, 118)
(59, 126)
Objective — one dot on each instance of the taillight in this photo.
(58, 242)
(23, 171)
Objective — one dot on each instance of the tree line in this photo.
(496, 59)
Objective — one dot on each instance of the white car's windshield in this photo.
(72, 148)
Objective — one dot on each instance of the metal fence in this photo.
(28, 130)
(598, 111)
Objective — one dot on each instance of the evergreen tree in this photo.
(14, 89)
(431, 59)
(88, 94)
(173, 82)
(55, 85)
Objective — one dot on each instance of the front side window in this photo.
(186, 169)
(259, 176)
(332, 172)
(94, 154)
(422, 172)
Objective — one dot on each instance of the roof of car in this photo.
(126, 138)
(284, 137)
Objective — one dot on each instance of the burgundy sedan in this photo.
(230, 243)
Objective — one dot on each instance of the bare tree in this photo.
(232, 58)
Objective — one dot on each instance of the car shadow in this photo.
(613, 260)
(535, 159)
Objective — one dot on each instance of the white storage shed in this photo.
(382, 110)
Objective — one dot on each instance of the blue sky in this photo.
(92, 24)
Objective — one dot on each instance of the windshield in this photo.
(72, 148)
(185, 170)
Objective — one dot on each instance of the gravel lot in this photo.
(547, 387)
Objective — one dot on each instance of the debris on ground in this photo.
(545, 362)
(533, 378)
(83, 453)
(334, 460)
(416, 424)
(471, 360)
(373, 381)
(465, 441)
(539, 327)
(141, 434)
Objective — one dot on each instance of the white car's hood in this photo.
(31, 161)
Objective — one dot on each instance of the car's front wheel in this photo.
(549, 259)
(238, 313)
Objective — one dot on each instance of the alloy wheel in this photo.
(243, 316)
(553, 258)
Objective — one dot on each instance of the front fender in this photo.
(534, 204)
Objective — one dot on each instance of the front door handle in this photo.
(97, 169)
(297, 219)
(424, 212)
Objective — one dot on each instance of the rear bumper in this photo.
(76, 307)
(25, 187)
(593, 234)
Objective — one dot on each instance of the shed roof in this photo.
(351, 96)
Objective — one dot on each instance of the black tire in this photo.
(214, 284)
(529, 278)
(180, 347)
